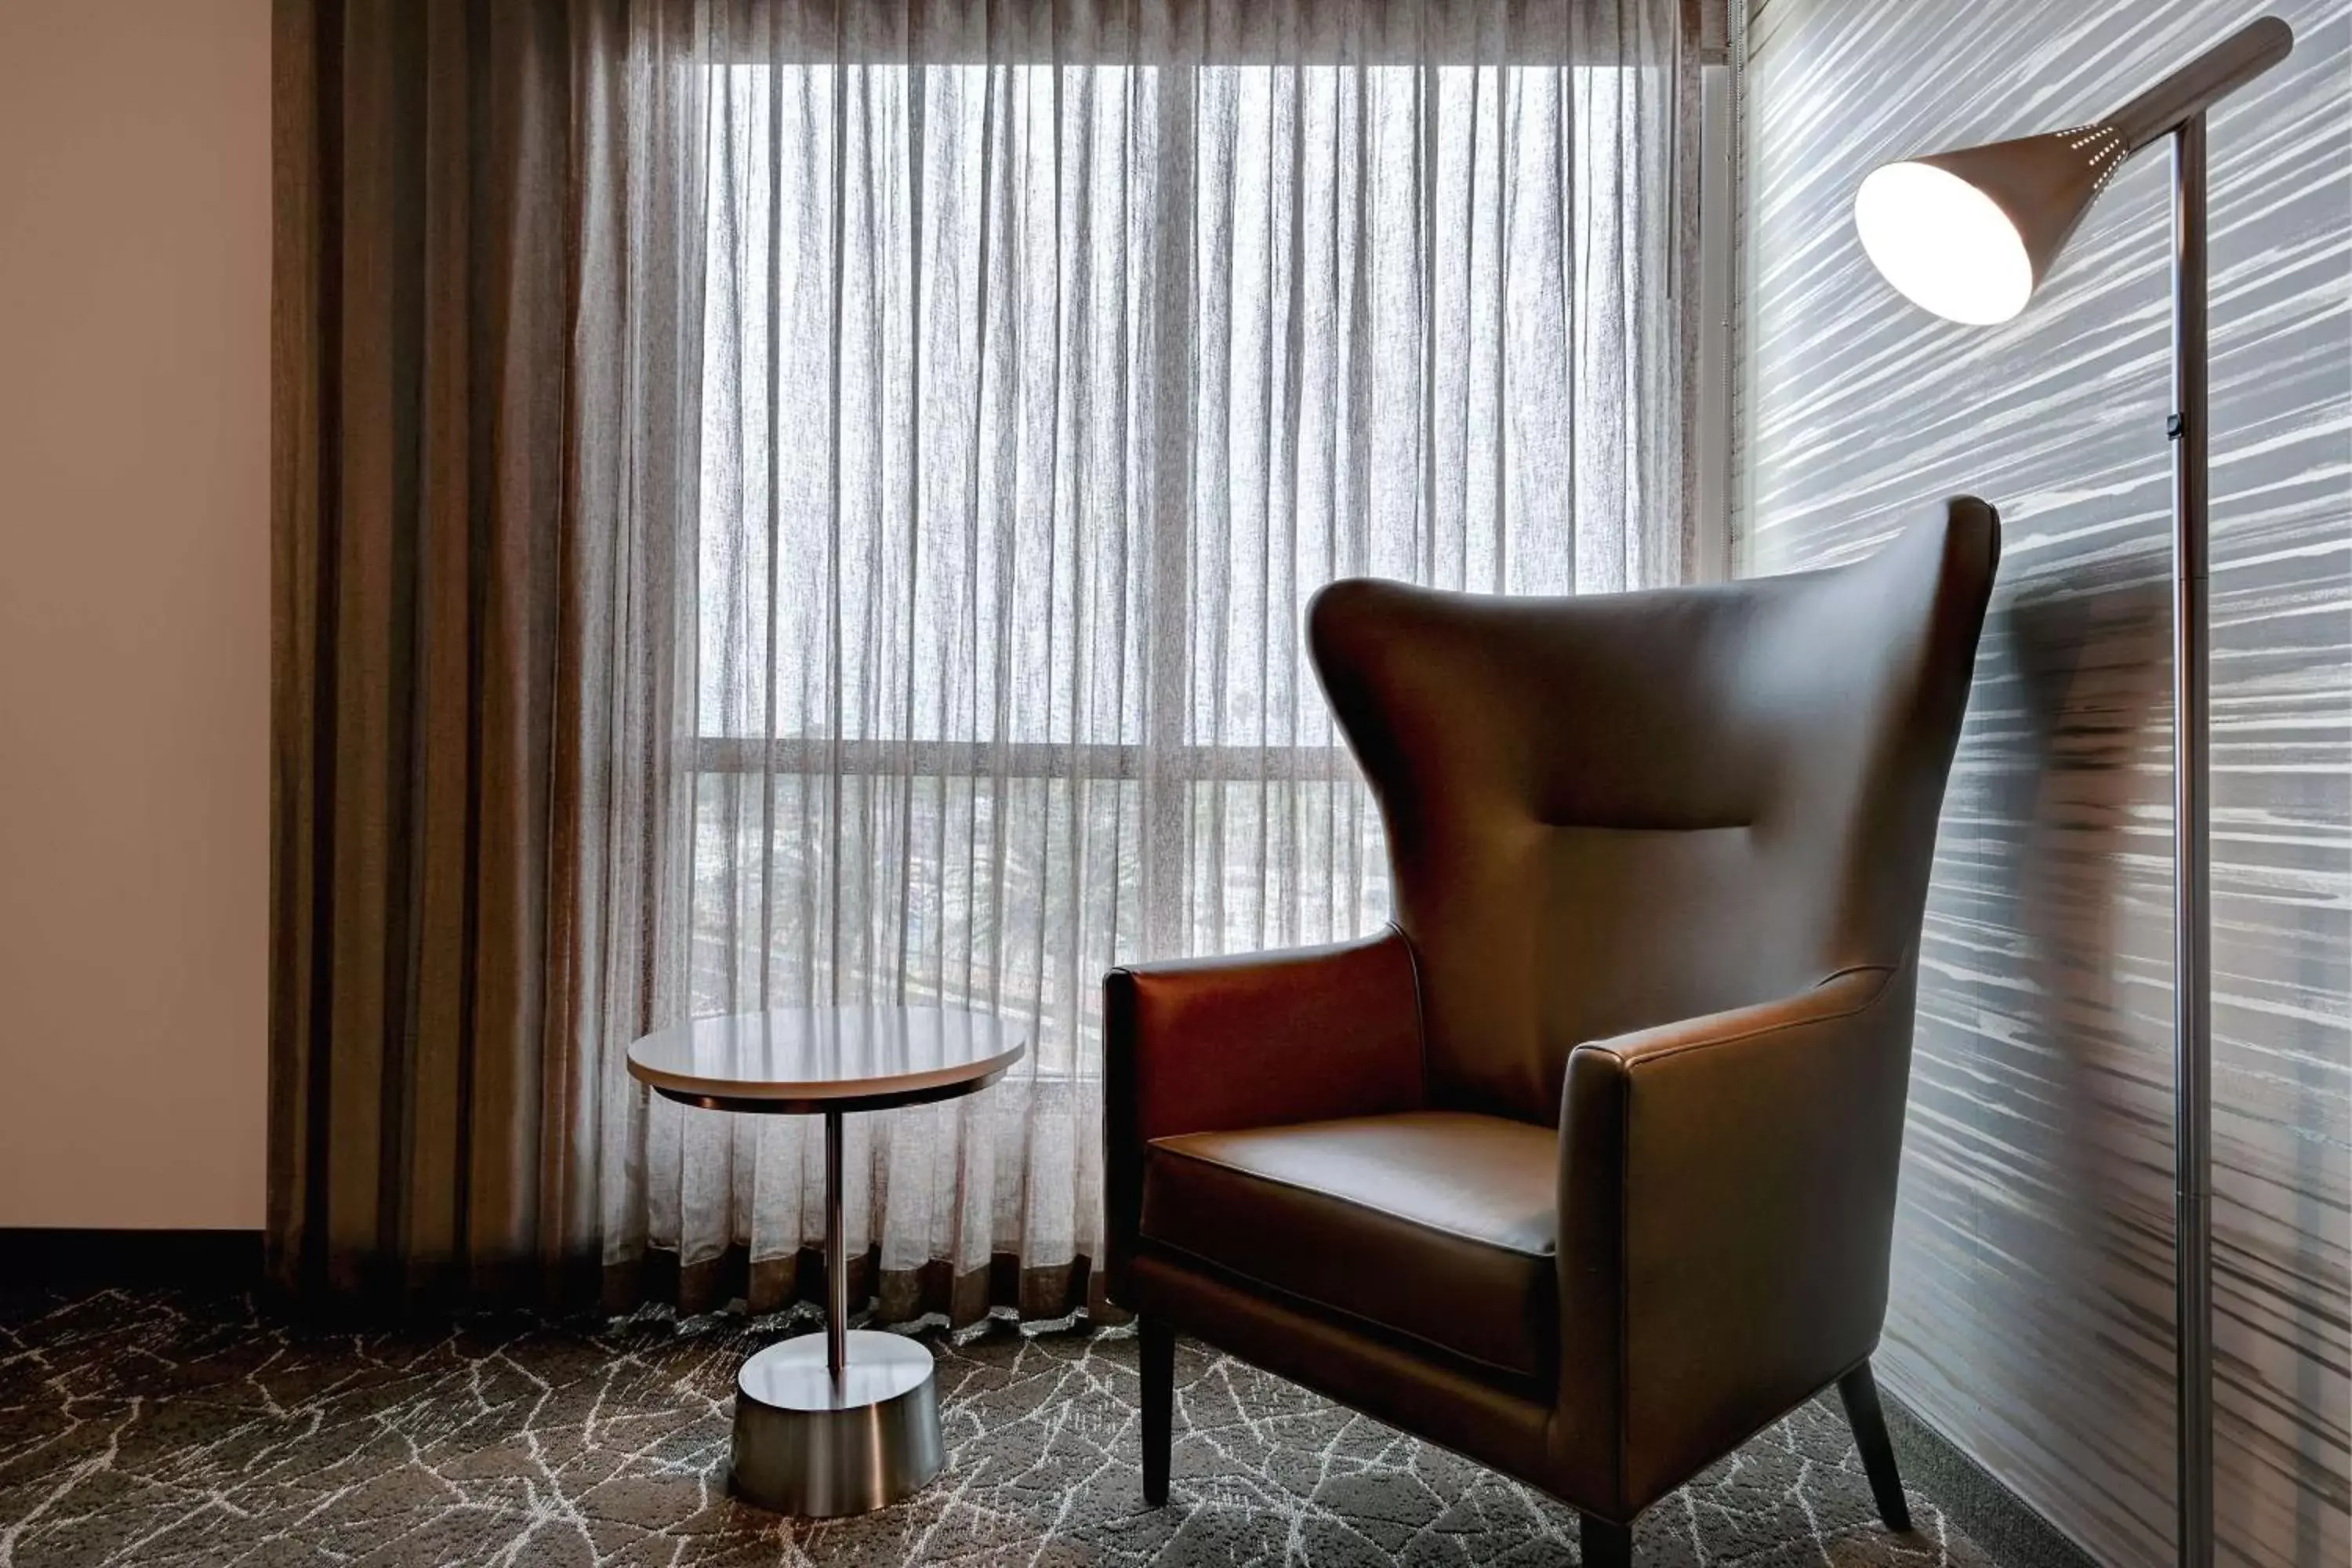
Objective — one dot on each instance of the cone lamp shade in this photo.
(1969, 236)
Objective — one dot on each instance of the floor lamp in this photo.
(1969, 236)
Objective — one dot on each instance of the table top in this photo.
(810, 1060)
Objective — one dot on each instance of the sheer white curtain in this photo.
(1050, 358)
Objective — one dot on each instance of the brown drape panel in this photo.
(462, 627)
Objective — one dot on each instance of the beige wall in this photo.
(134, 611)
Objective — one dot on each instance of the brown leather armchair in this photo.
(1584, 1168)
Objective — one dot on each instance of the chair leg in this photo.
(1605, 1545)
(1859, 1393)
(1159, 1363)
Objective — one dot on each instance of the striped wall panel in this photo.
(2031, 1319)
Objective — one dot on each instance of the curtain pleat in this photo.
(791, 503)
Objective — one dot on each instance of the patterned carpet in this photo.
(157, 1428)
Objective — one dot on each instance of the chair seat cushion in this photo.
(1438, 1225)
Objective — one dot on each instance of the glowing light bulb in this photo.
(1945, 244)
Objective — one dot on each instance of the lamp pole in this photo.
(2192, 918)
(1970, 235)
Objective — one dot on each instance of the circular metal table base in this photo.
(809, 1445)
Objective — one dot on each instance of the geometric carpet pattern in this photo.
(163, 1428)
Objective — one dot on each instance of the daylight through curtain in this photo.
(986, 389)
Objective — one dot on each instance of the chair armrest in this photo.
(1727, 1206)
(1210, 1045)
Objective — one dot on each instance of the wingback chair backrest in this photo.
(1614, 811)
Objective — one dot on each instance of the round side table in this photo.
(843, 1421)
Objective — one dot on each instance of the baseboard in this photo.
(45, 1259)
(1988, 1512)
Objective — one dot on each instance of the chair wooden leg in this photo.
(1859, 1393)
(1605, 1545)
(1158, 1361)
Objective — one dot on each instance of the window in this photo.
(1038, 400)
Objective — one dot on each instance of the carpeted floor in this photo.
(163, 1428)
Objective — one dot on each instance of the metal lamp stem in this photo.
(2187, 93)
(2027, 194)
(2192, 1008)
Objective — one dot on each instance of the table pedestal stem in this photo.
(836, 1266)
(842, 1423)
